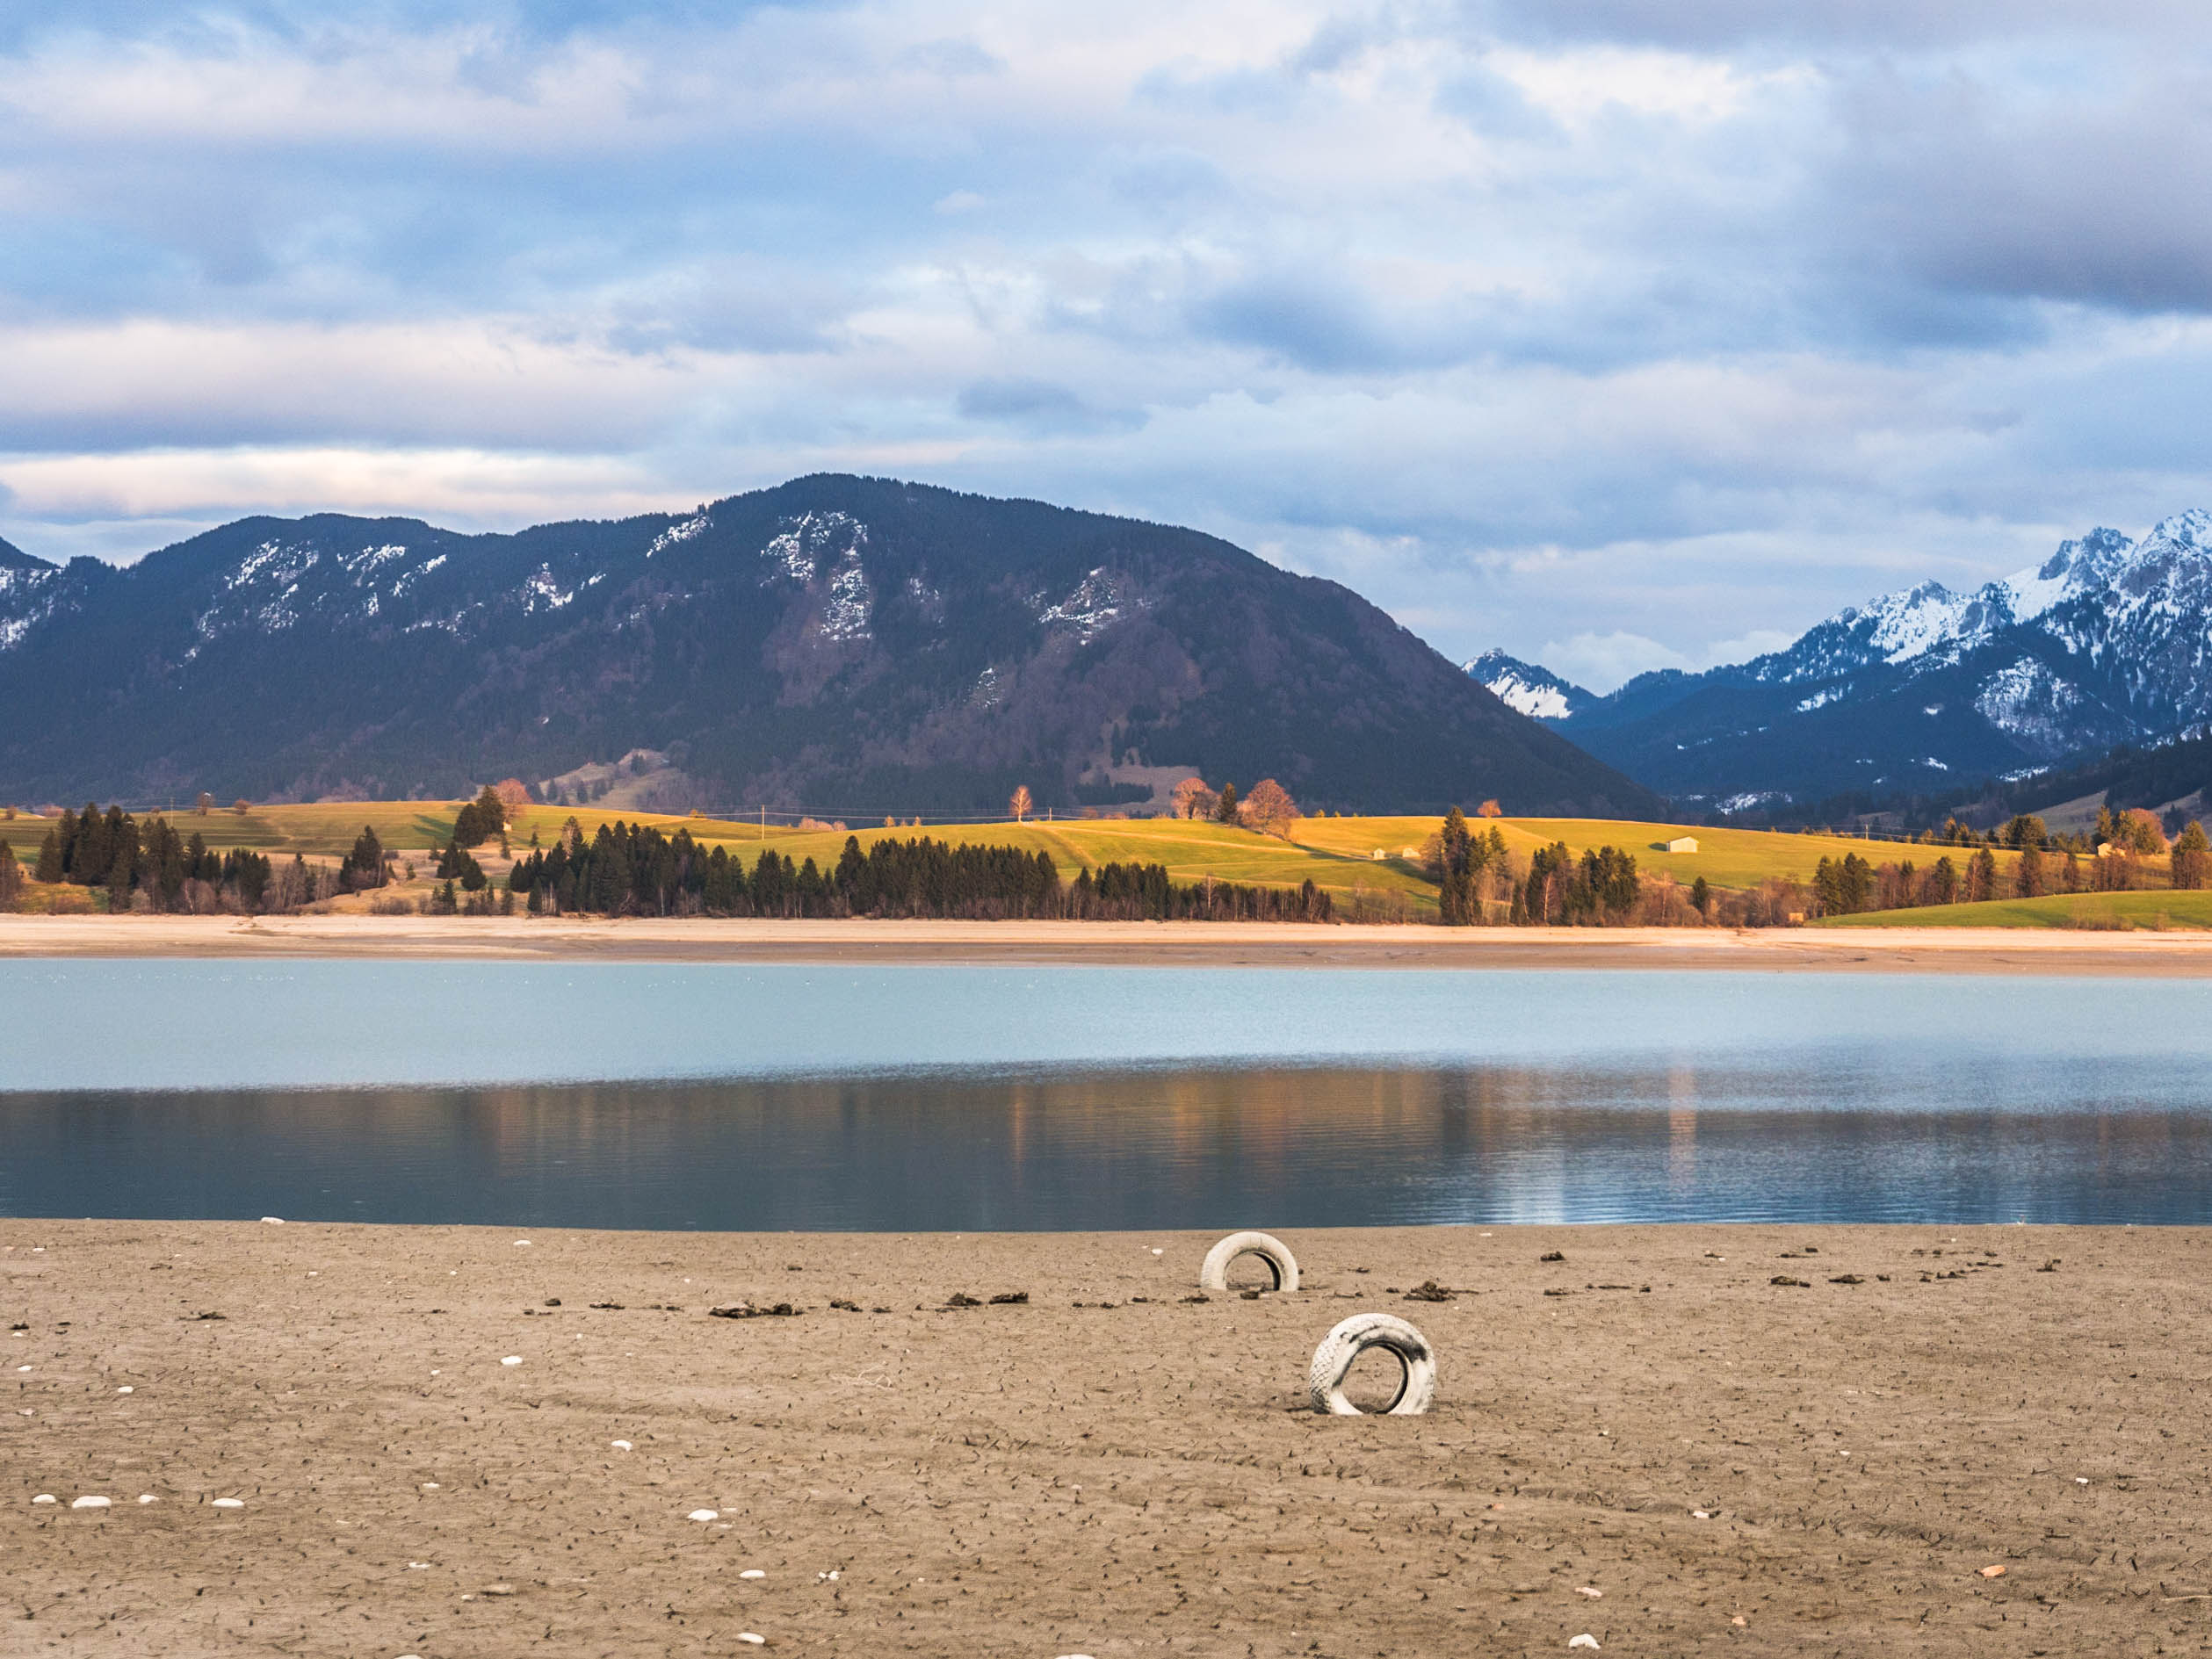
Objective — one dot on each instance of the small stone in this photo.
(230, 1503)
(1591, 1590)
(1737, 1621)
(126, 1388)
(522, 1243)
(704, 1514)
(1585, 1640)
(2081, 1480)
(418, 1567)
(1992, 1572)
(272, 1221)
(512, 1359)
(497, 1590)
(46, 1497)
(147, 1498)
(91, 1503)
(621, 1445)
(1701, 1515)
(1159, 1252)
(752, 1572)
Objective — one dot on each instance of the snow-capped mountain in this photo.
(1526, 688)
(853, 647)
(2108, 641)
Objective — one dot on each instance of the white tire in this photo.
(1213, 1274)
(1332, 1363)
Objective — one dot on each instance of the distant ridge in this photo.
(2109, 641)
(856, 646)
(1527, 689)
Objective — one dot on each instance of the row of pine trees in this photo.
(637, 871)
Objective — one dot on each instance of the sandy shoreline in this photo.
(1194, 944)
(1051, 1478)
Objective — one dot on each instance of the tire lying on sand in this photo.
(1332, 1363)
(1213, 1274)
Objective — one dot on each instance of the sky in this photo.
(1622, 334)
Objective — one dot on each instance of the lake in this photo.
(972, 1098)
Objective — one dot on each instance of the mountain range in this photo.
(843, 646)
(1924, 690)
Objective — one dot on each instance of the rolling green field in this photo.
(2114, 912)
(1336, 853)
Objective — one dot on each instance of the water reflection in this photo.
(2103, 1142)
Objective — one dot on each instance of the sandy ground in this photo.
(1216, 944)
(1110, 1470)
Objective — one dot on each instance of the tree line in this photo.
(637, 871)
(151, 863)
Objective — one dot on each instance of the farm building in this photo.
(1682, 844)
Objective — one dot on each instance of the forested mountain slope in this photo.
(835, 644)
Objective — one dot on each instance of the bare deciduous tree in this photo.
(1192, 797)
(1020, 806)
(1269, 808)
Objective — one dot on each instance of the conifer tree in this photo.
(1226, 810)
(50, 855)
(10, 877)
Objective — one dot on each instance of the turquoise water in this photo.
(771, 1097)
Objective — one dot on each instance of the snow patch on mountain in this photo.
(1526, 688)
(1093, 606)
(802, 546)
(677, 534)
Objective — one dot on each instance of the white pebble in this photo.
(1585, 1640)
(230, 1503)
(147, 1498)
(126, 1388)
(752, 1572)
(91, 1503)
(418, 1567)
(621, 1445)
(272, 1221)
(2081, 1480)
(512, 1359)
(430, 1486)
(522, 1243)
(23, 1367)
(706, 1515)
(1159, 1252)
(1701, 1515)
(1591, 1591)
(46, 1497)
(826, 1579)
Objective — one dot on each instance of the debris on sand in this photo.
(961, 1299)
(1786, 1280)
(1847, 1278)
(1428, 1290)
(749, 1311)
(1011, 1299)
(1553, 1255)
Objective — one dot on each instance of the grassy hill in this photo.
(2119, 913)
(1372, 865)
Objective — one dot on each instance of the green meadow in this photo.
(1376, 861)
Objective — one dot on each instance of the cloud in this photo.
(1637, 331)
